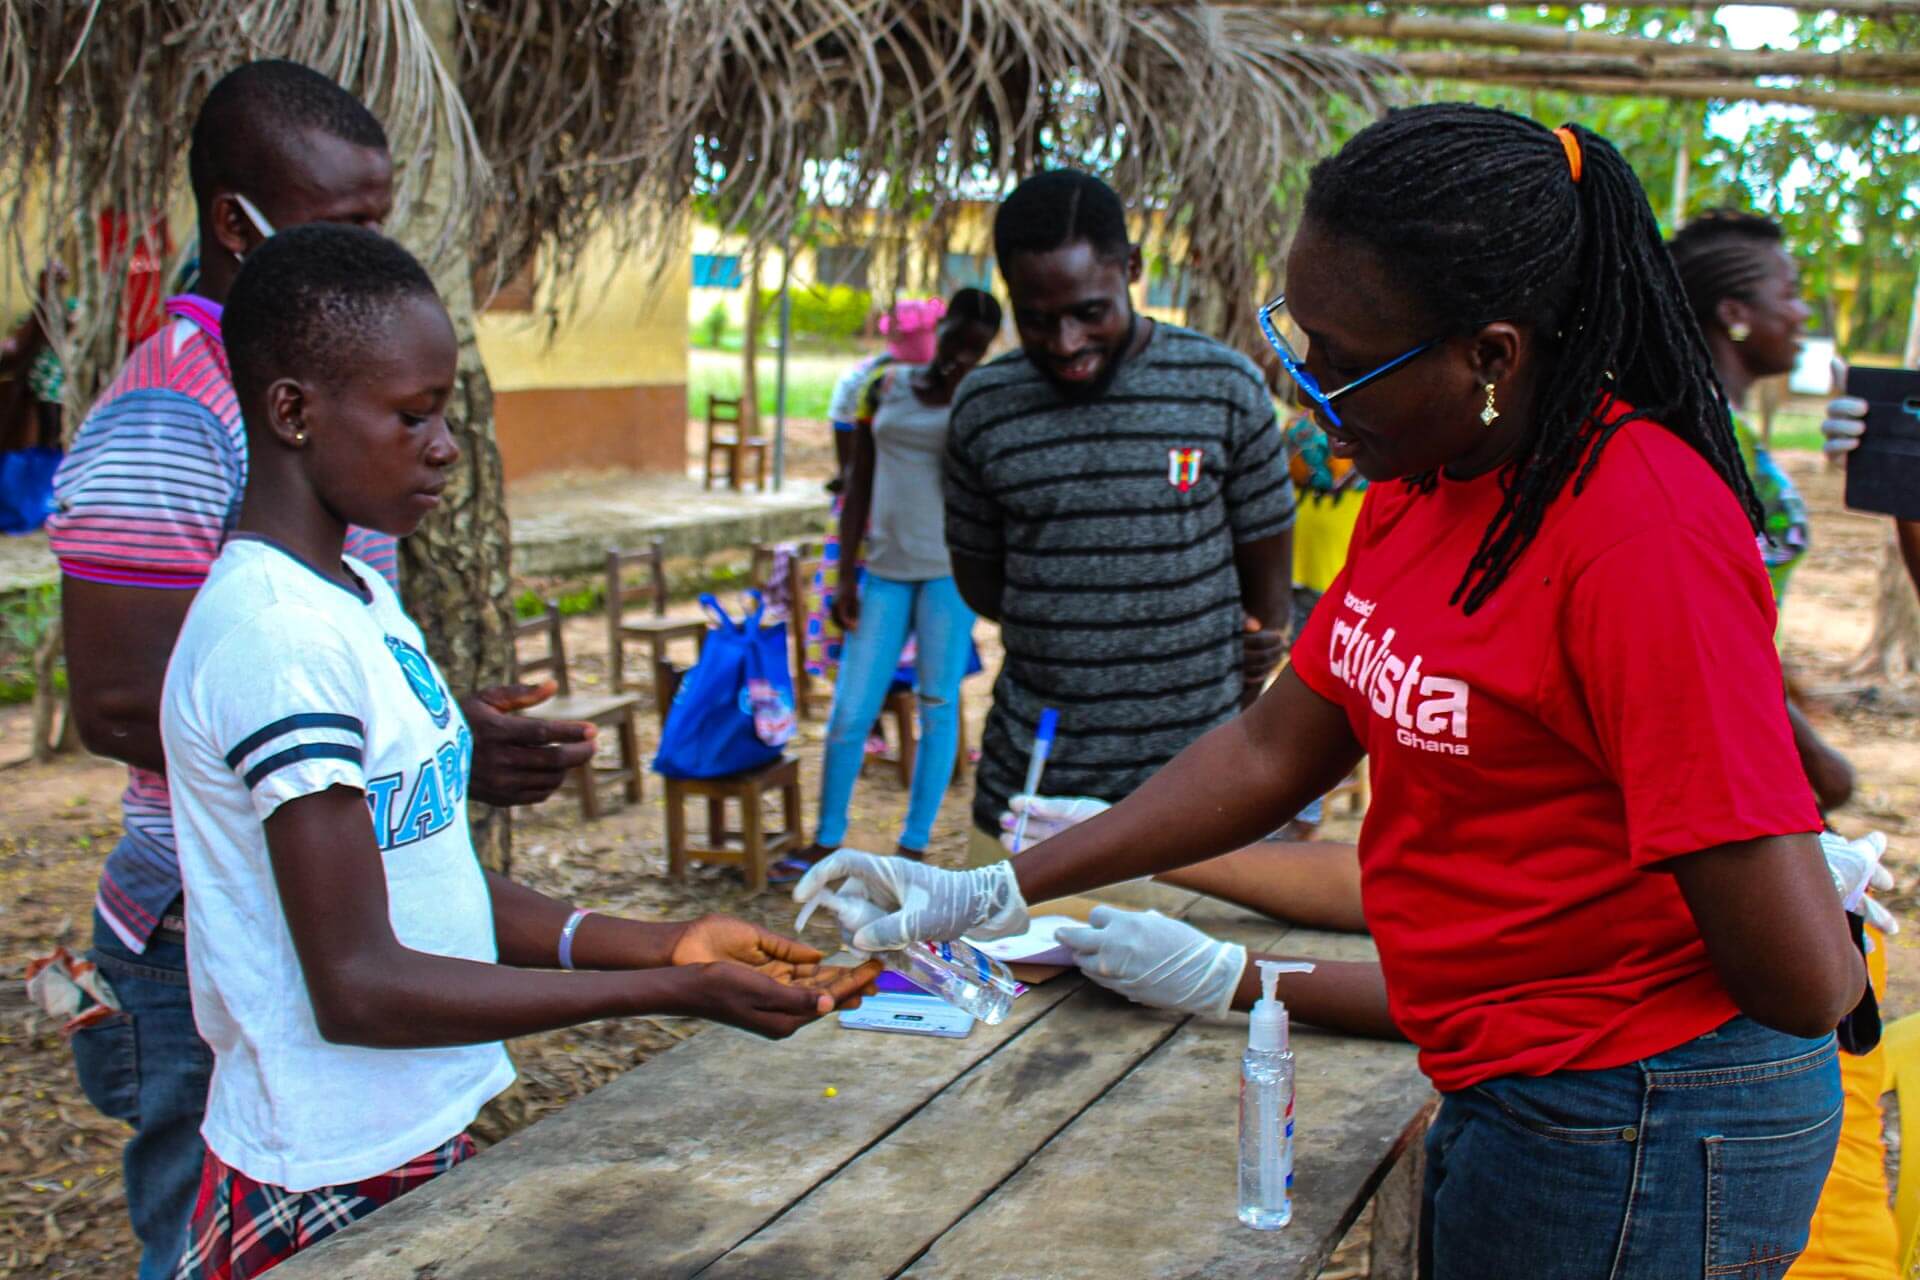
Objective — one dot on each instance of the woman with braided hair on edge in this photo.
(1591, 864)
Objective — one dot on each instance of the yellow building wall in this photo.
(607, 386)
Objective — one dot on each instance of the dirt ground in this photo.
(61, 1204)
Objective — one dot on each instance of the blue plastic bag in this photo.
(26, 488)
(734, 711)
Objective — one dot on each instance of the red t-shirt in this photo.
(1617, 702)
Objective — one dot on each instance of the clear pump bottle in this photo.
(1266, 1107)
(956, 971)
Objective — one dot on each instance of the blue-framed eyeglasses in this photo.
(1296, 367)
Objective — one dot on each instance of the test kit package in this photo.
(899, 1005)
(1883, 474)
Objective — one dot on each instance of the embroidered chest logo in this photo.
(1429, 712)
(420, 678)
(1183, 468)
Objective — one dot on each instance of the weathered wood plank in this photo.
(1394, 1251)
(883, 1210)
(661, 1171)
(1142, 1183)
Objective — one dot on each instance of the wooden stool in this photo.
(900, 704)
(735, 445)
(609, 710)
(657, 631)
(751, 847)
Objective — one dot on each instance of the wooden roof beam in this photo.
(1852, 8)
(1722, 61)
(1855, 101)
(1700, 64)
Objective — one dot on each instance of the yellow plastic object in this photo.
(1901, 1046)
(1853, 1235)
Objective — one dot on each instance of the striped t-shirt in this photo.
(145, 498)
(1115, 522)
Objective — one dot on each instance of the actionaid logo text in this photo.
(1429, 712)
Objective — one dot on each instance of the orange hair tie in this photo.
(1572, 146)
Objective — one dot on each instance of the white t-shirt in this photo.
(283, 684)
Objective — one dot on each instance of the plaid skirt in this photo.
(241, 1228)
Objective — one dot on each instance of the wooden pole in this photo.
(1852, 8)
(1685, 64)
(1682, 163)
(1862, 103)
(1649, 54)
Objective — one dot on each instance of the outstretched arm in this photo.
(369, 989)
(1233, 786)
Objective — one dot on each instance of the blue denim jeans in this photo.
(941, 625)
(1704, 1161)
(147, 1065)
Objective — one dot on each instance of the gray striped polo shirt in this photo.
(1115, 521)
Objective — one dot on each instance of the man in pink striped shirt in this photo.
(144, 500)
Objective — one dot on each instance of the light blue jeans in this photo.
(942, 626)
(1705, 1160)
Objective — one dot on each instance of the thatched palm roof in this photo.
(574, 115)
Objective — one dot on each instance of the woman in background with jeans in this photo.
(893, 503)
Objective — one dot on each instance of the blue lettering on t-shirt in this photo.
(380, 792)
(433, 804)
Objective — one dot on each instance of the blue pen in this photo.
(1036, 765)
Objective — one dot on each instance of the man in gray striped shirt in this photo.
(1117, 497)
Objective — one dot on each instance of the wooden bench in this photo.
(608, 710)
(1082, 1137)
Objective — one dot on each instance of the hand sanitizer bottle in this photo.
(1266, 1107)
(956, 971)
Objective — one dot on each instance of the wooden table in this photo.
(1083, 1136)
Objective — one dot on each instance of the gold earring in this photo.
(299, 437)
(1488, 414)
(1738, 331)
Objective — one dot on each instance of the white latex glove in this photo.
(1856, 867)
(929, 904)
(1846, 419)
(1047, 816)
(1151, 959)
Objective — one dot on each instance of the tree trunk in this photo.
(1893, 651)
(750, 351)
(53, 730)
(454, 571)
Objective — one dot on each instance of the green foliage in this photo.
(25, 618)
(1845, 188)
(836, 313)
(573, 601)
(713, 329)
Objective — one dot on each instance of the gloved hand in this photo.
(1154, 960)
(929, 904)
(1856, 867)
(1047, 816)
(1846, 419)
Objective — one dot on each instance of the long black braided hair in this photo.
(1476, 212)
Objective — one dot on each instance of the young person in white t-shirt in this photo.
(353, 967)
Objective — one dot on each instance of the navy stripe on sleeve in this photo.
(305, 751)
(290, 724)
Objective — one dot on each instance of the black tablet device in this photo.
(1883, 474)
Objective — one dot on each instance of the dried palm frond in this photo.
(628, 114)
(604, 115)
(97, 101)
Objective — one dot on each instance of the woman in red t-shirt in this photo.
(1590, 865)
